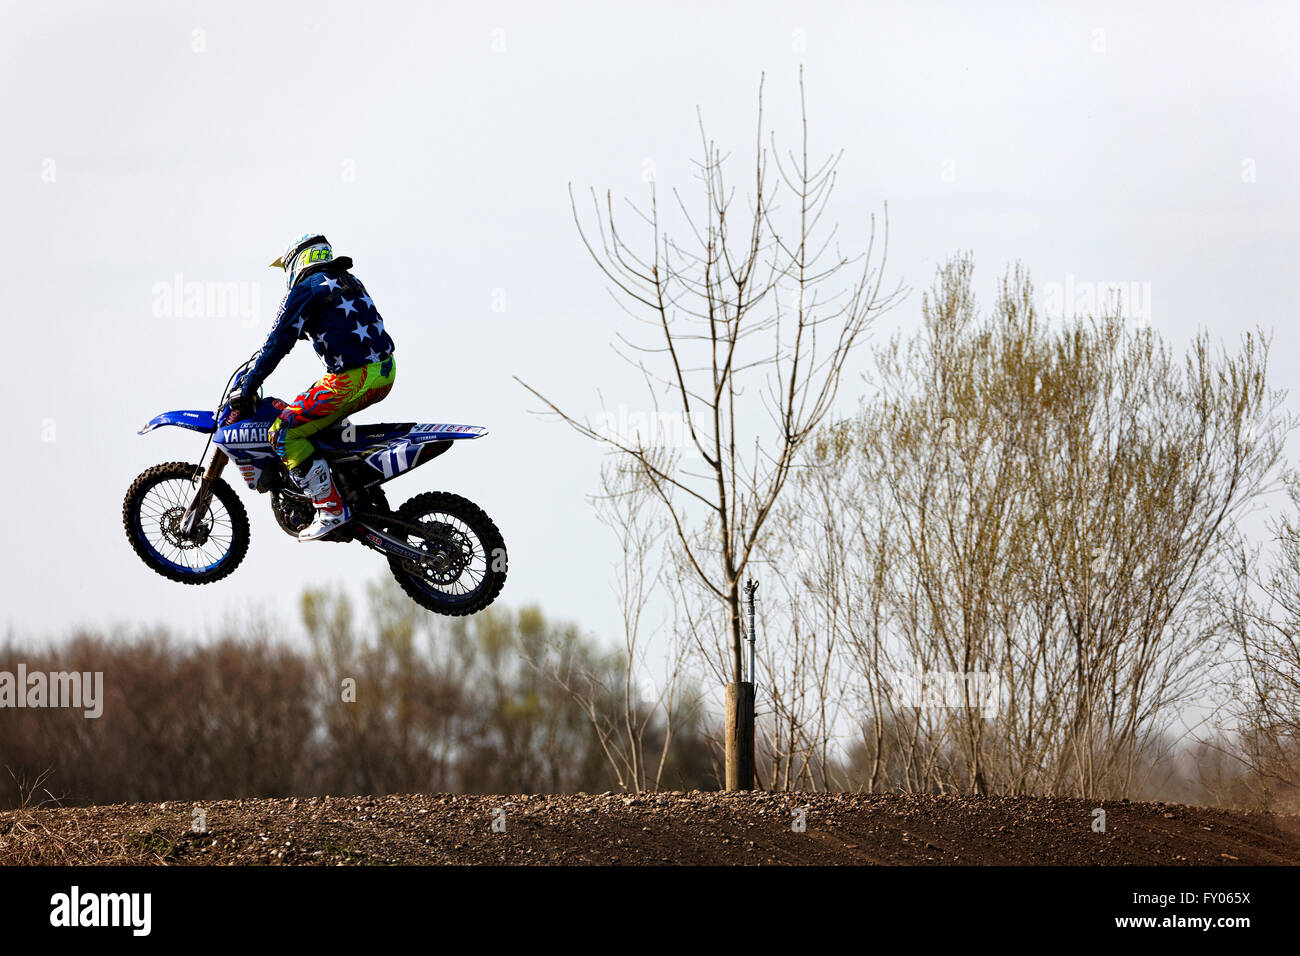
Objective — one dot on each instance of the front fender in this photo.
(194, 421)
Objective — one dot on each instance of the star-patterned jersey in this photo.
(332, 308)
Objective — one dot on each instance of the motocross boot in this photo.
(317, 484)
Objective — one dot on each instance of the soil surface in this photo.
(650, 829)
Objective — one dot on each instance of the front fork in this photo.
(198, 505)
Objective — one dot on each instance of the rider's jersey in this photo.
(330, 307)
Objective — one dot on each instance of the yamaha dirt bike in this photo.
(186, 523)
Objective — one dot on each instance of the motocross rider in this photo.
(328, 305)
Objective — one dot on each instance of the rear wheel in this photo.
(152, 513)
(464, 568)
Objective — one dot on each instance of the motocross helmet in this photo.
(304, 255)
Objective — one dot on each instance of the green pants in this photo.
(335, 396)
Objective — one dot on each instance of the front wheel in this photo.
(464, 568)
(152, 513)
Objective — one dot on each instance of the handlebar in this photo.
(226, 412)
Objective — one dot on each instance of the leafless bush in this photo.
(1258, 607)
(1044, 509)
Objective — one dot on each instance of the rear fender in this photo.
(441, 432)
(421, 444)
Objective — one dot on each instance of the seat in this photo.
(335, 437)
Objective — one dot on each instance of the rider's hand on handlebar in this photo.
(239, 404)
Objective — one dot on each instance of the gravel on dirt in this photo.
(652, 829)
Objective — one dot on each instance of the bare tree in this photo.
(631, 712)
(804, 674)
(756, 293)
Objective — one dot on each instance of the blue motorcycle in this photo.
(187, 524)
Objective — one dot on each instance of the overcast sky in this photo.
(434, 143)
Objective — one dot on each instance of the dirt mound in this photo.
(665, 828)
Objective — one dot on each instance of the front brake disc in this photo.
(171, 530)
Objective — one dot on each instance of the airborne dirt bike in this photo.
(186, 523)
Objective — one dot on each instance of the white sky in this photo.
(1095, 141)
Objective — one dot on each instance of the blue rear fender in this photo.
(419, 444)
(195, 421)
(423, 433)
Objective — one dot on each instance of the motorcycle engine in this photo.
(292, 512)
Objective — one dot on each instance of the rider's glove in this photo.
(243, 393)
(240, 401)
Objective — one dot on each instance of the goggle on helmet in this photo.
(309, 249)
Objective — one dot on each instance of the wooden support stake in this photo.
(740, 736)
